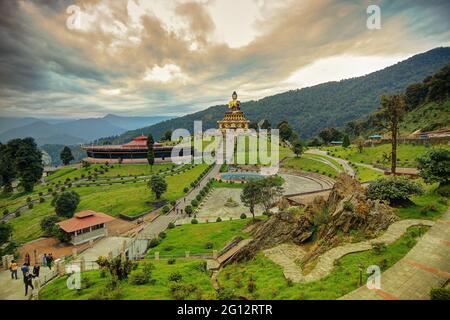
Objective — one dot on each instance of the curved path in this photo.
(347, 168)
(426, 266)
(286, 255)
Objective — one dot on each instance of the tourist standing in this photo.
(27, 259)
(36, 270)
(44, 260)
(13, 267)
(49, 261)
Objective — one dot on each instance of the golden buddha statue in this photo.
(234, 104)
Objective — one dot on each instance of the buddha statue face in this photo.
(234, 95)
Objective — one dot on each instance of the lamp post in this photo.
(360, 275)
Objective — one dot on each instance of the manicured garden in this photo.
(262, 279)
(310, 165)
(199, 238)
(192, 278)
(128, 198)
(380, 154)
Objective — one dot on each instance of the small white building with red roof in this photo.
(86, 226)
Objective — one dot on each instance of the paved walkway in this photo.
(426, 266)
(15, 289)
(287, 255)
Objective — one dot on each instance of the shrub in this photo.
(219, 219)
(5, 212)
(171, 261)
(348, 206)
(154, 242)
(165, 209)
(209, 245)
(41, 200)
(171, 225)
(194, 203)
(168, 248)
(175, 276)
(194, 221)
(30, 206)
(173, 203)
(186, 190)
(198, 198)
(440, 294)
(243, 216)
(189, 210)
(139, 278)
(394, 189)
(378, 248)
(428, 208)
(180, 291)
(28, 199)
(251, 286)
(162, 235)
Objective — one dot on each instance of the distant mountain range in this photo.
(69, 131)
(309, 110)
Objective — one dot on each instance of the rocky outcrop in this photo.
(346, 210)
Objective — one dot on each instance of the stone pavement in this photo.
(15, 289)
(287, 255)
(426, 266)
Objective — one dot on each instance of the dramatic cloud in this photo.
(91, 57)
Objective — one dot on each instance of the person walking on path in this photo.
(13, 267)
(25, 271)
(28, 282)
(36, 270)
(44, 260)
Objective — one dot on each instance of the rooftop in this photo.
(84, 219)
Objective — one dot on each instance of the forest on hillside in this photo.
(309, 110)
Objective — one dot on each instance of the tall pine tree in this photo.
(66, 155)
(150, 151)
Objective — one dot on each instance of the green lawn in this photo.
(194, 237)
(271, 284)
(366, 174)
(128, 198)
(427, 206)
(192, 272)
(406, 153)
(114, 170)
(310, 165)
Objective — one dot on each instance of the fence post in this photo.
(82, 264)
(187, 254)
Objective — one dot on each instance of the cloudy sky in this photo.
(83, 58)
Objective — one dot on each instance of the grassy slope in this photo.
(428, 117)
(190, 270)
(310, 165)
(193, 238)
(129, 198)
(427, 206)
(271, 284)
(406, 153)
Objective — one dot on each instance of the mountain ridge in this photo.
(311, 109)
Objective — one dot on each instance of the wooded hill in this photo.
(309, 110)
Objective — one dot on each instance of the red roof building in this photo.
(134, 151)
(86, 225)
